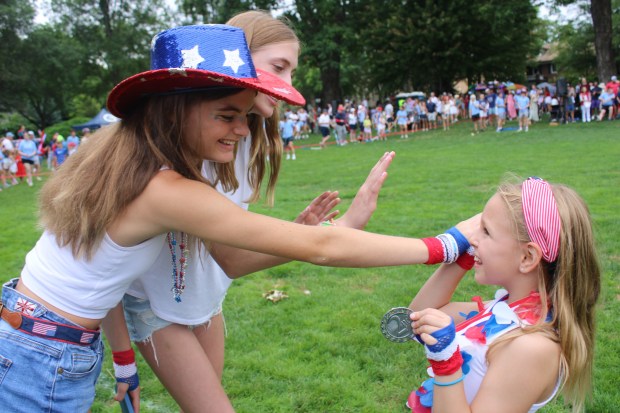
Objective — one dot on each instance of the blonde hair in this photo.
(569, 287)
(261, 29)
(97, 183)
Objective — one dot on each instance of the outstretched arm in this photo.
(237, 262)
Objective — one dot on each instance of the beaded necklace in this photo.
(178, 277)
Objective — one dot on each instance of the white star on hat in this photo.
(191, 58)
(233, 60)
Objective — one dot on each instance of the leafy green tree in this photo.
(430, 44)
(16, 17)
(414, 44)
(602, 15)
(116, 38)
(47, 75)
(220, 11)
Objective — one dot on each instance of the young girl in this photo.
(105, 222)
(536, 338)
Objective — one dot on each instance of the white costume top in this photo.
(206, 283)
(86, 288)
(475, 335)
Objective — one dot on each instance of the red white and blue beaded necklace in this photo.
(178, 277)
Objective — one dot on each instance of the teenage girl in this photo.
(185, 359)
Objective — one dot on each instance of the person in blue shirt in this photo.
(607, 99)
(474, 112)
(522, 102)
(73, 138)
(27, 149)
(287, 130)
(60, 154)
(500, 109)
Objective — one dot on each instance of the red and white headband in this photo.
(542, 218)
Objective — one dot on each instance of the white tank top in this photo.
(206, 283)
(86, 288)
(478, 364)
(475, 367)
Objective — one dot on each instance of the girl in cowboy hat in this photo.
(105, 222)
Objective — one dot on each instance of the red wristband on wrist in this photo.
(435, 250)
(465, 261)
(122, 358)
(447, 367)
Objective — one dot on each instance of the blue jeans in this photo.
(42, 375)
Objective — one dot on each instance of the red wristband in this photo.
(465, 261)
(122, 358)
(447, 367)
(435, 250)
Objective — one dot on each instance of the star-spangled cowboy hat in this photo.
(190, 58)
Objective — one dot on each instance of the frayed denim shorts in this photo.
(43, 375)
(142, 322)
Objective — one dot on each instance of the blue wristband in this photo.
(133, 381)
(460, 239)
(444, 337)
(449, 383)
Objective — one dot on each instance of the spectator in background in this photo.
(431, 109)
(324, 123)
(287, 132)
(85, 135)
(73, 139)
(522, 103)
(510, 105)
(608, 100)
(9, 166)
(27, 150)
(534, 104)
(500, 108)
(340, 120)
(585, 100)
(352, 120)
(60, 154)
(570, 105)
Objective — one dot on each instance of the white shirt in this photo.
(206, 284)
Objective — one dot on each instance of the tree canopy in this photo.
(349, 47)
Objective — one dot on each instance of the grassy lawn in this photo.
(321, 349)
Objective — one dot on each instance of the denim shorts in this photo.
(142, 322)
(43, 375)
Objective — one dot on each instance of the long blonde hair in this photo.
(570, 287)
(96, 184)
(262, 29)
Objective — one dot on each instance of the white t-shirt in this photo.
(324, 120)
(7, 145)
(206, 283)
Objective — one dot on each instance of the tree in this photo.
(16, 18)
(601, 13)
(116, 36)
(48, 72)
(220, 11)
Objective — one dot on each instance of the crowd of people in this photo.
(487, 108)
(24, 154)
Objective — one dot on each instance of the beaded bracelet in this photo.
(449, 383)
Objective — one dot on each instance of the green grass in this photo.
(323, 351)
